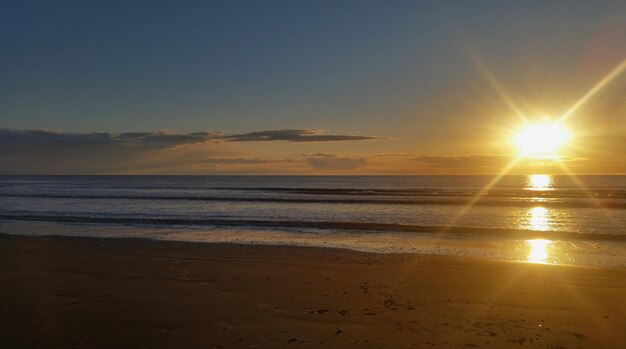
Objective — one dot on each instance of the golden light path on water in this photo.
(538, 218)
(538, 252)
(540, 182)
(538, 248)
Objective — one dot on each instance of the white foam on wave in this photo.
(559, 252)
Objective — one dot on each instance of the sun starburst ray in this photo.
(594, 90)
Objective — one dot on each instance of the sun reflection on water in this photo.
(540, 182)
(538, 219)
(538, 250)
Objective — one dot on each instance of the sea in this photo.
(536, 218)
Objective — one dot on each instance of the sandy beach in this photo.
(123, 293)
(103, 293)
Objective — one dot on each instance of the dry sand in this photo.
(95, 293)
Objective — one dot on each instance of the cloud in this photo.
(334, 162)
(238, 161)
(169, 138)
(296, 135)
(36, 151)
(493, 164)
(51, 152)
(245, 161)
(484, 161)
(161, 139)
(465, 160)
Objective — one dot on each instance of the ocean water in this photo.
(537, 218)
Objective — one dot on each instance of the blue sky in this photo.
(398, 71)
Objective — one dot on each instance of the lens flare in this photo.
(542, 139)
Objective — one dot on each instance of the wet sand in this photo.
(60, 292)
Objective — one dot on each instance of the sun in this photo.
(542, 139)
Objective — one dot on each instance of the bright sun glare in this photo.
(540, 182)
(538, 252)
(542, 139)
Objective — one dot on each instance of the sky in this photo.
(307, 87)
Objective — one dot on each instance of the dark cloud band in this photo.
(296, 135)
(168, 139)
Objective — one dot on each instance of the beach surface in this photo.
(127, 293)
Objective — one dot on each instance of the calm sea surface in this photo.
(587, 212)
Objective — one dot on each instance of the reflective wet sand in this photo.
(124, 293)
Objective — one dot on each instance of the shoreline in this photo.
(104, 292)
(182, 244)
(538, 249)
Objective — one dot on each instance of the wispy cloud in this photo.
(161, 139)
(48, 152)
(167, 152)
(51, 152)
(334, 162)
(464, 161)
(170, 138)
(297, 135)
